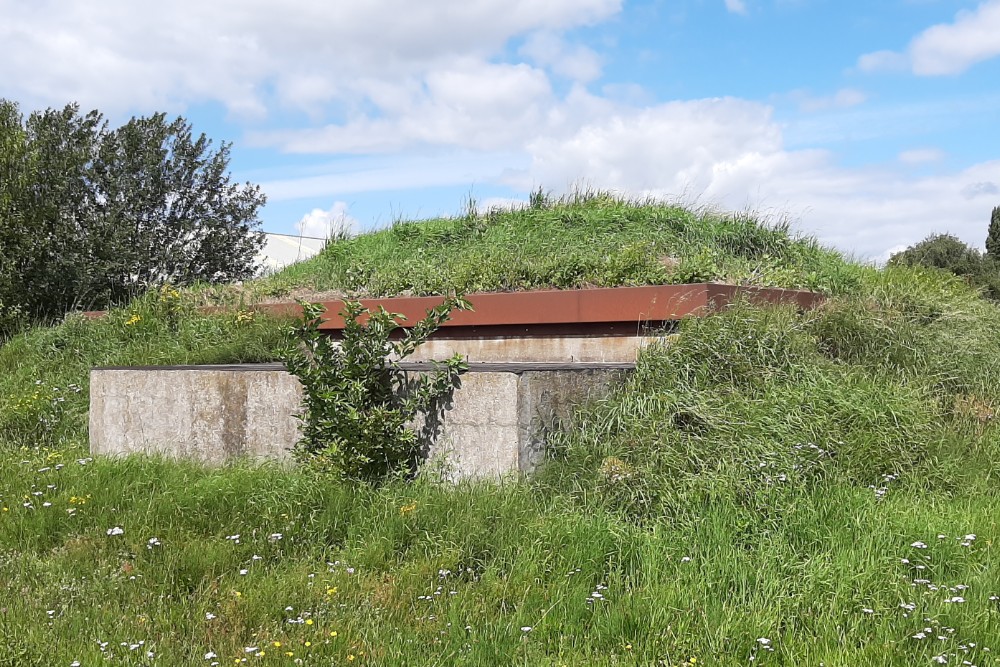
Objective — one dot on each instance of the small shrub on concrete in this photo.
(359, 406)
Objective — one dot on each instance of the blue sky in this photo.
(867, 124)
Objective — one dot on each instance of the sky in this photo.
(868, 124)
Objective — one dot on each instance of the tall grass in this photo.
(770, 488)
(596, 240)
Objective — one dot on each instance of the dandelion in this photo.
(406, 509)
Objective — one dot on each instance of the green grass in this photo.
(768, 475)
(585, 241)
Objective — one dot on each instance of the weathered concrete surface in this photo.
(209, 414)
(494, 424)
(586, 349)
(478, 428)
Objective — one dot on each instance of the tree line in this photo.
(945, 251)
(92, 215)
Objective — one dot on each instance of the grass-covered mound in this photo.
(771, 488)
(585, 241)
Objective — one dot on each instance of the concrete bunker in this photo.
(533, 356)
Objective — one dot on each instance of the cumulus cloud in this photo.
(245, 54)
(946, 48)
(730, 153)
(550, 50)
(723, 152)
(330, 223)
(423, 87)
(470, 103)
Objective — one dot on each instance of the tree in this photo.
(993, 237)
(941, 251)
(944, 251)
(90, 216)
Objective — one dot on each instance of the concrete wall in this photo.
(540, 349)
(494, 423)
(208, 413)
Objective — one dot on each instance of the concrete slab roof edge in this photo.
(474, 367)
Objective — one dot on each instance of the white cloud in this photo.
(842, 99)
(953, 48)
(470, 103)
(946, 48)
(730, 153)
(724, 152)
(921, 156)
(550, 50)
(882, 61)
(121, 55)
(736, 6)
(329, 223)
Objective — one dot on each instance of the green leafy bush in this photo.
(359, 406)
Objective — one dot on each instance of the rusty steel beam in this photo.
(613, 311)
(622, 308)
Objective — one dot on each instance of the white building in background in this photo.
(280, 250)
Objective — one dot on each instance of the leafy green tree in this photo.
(944, 251)
(941, 251)
(993, 237)
(90, 216)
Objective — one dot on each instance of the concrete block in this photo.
(477, 433)
(494, 424)
(208, 414)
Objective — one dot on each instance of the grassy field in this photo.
(773, 488)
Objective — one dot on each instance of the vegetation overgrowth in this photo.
(587, 240)
(772, 488)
